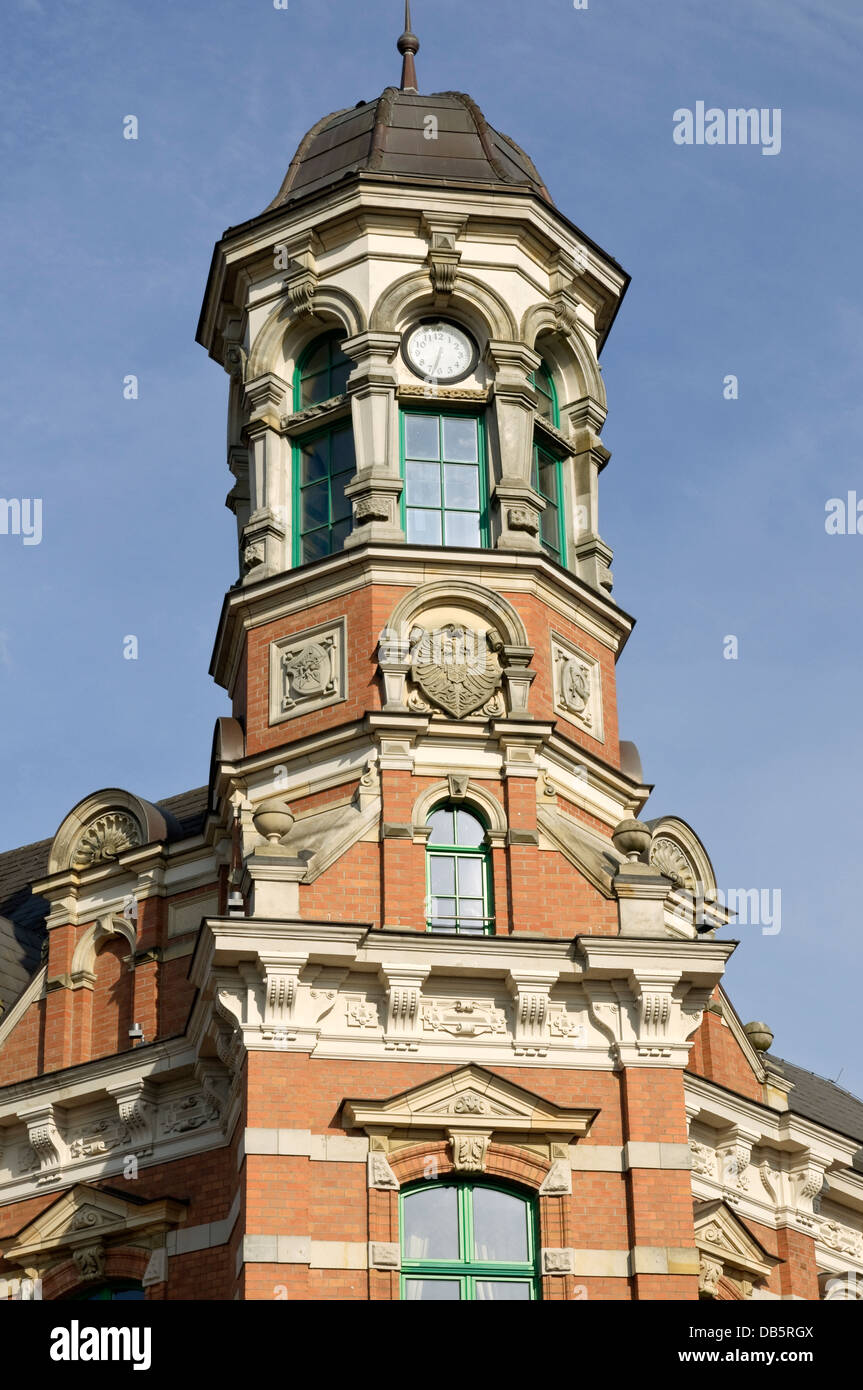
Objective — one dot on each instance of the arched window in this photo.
(118, 1291)
(322, 372)
(443, 460)
(324, 460)
(473, 1241)
(458, 873)
(546, 473)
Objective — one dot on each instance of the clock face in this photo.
(439, 351)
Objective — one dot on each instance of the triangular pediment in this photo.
(89, 1214)
(468, 1098)
(722, 1236)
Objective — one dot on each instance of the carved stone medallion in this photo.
(307, 671)
(669, 860)
(577, 686)
(455, 667)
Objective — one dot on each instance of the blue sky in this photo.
(742, 264)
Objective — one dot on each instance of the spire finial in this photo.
(408, 45)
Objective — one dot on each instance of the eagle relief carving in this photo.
(455, 667)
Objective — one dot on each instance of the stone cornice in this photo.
(347, 571)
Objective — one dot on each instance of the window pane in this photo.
(469, 879)
(469, 831)
(442, 874)
(461, 485)
(423, 484)
(503, 1290)
(315, 389)
(549, 526)
(339, 535)
(471, 908)
(317, 360)
(423, 528)
(443, 909)
(500, 1226)
(442, 827)
(433, 1290)
(422, 439)
(315, 505)
(460, 439)
(314, 461)
(315, 545)
(431, 1224)
(462, 528)
(341, 504)
(548, 477)
(343, 457)
(342, 368)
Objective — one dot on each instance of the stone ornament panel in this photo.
(577, 686)
(308, 671)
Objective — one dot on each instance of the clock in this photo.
(439, 351)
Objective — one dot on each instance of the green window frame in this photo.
(459, 897)
(546, 471)
(459, 1225)
(324, 462)
(445, 495)
(321, 372)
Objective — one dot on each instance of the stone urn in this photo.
(631, 838)
(273, 819)
(759, 1035)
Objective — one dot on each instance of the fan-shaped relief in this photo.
(103, 827)
(106, 838)
(677, 853)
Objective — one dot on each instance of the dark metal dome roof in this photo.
(387, 139)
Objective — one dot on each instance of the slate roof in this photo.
(388, 139)
(822, 1101)
(22, 914)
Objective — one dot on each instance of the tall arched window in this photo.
(322, 372)
(546, 473)
(468, 1241)
(324, 460)
(458, 871)
(443, 459)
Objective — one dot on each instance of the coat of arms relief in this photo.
(456, 669)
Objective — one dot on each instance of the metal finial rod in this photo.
(408, 45)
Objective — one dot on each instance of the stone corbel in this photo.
(136, 1107)
(734, 1151)
(518, 678)
(530, 993)
(442, 232)
(261, 545)
(808, 1183)
(266, 395)
(301, 281)
(404, 991)
(281, 975)
(654, 1008)
(469, 1149)
(45, 1140)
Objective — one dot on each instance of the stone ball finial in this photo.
(759, 1035)
(631, 838)
(273, 819)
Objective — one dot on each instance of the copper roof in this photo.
(389, 139)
